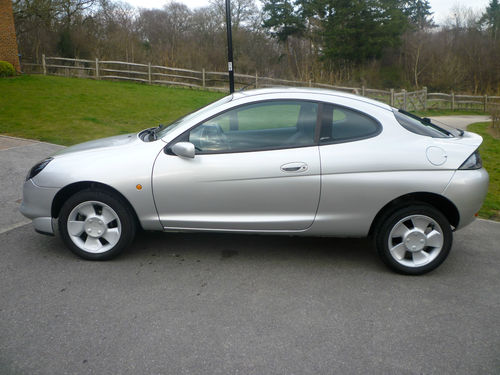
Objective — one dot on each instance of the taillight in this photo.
(473, 162)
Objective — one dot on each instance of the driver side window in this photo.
(258, 126)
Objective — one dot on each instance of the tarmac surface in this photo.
(17, 156)
(238, 304)
(460, 122)
(241, 304)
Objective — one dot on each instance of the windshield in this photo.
(172, 126)
(422, 126)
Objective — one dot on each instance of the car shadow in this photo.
(264, 248)
(241, 249)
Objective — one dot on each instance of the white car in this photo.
(285, 161)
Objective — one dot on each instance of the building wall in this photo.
(8, 43)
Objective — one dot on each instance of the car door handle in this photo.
(294, 167)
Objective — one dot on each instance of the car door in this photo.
(256, 168)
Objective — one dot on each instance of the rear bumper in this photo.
(467, 190)
(37, 205)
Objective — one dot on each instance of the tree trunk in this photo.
(415, 69)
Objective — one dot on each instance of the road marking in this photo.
(14, 226)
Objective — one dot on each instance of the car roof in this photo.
(307, 90)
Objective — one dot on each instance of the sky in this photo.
(441, 8)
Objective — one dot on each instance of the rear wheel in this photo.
(414, 240)
(96, 225)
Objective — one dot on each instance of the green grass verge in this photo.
(71, 110)
(490, 153)
(448, 112)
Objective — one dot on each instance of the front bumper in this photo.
(467, 190)
(37, 205)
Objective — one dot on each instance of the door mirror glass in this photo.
(184, 149)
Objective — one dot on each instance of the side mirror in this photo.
(184, 149)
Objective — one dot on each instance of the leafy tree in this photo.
(491, 18)
(281, 19)
(360, 30)
(419, 13)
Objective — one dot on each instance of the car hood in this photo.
(110, 142)
(104, 160)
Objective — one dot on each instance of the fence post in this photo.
(97, 68)
(392, 98)
(149, 73)
(203, 77)
(425, 98)
(485, 103)
(404, 99)
(452, 100)
(363, 90)
(256, 79)
(44, 66)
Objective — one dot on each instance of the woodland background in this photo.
(377, 43)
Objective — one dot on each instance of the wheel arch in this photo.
(437, 201)
(71, 189)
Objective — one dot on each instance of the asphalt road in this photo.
(460, 122)
(17, 156)
(236, 304)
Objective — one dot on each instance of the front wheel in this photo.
(96, 225)
(414, 240)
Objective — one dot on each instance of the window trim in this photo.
(183, 137)
(371, 135)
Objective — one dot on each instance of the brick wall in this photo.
(8, 43)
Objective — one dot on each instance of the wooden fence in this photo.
(163, 75)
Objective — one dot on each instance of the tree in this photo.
(243, 12)
(34, 25)
(360, 30)
(164, 30)
(281, 19)
(491, 19)
(419, 14)
(282, 22)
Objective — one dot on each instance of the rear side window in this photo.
(340, 124)
(419, 125)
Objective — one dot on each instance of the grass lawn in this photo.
(448, 112)
(71, 110)
(490, 153)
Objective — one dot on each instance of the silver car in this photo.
(285, 161)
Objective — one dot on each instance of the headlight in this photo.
(473, 162)
(37, 168)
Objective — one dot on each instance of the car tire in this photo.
(96, 225)
(414, 239)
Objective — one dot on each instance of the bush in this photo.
(6, 69)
